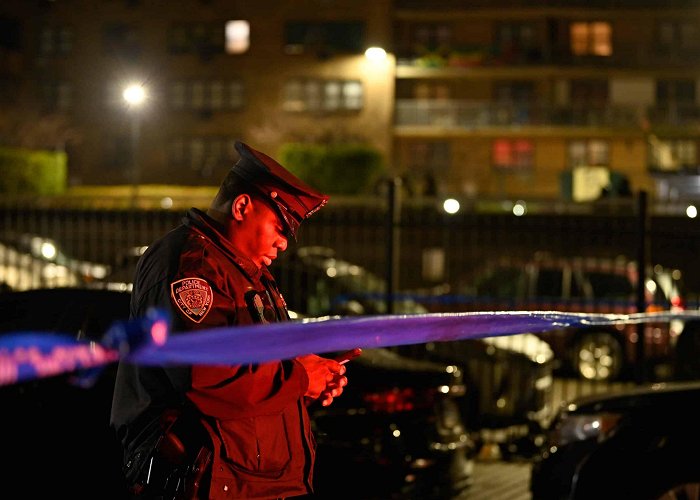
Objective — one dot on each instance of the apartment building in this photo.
(480, 99)
(213, 71)
(549, 98)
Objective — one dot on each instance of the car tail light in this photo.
(398, 400)
(677, 303)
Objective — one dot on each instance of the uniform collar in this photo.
(215, 232)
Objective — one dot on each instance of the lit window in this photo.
(593, 152)
(513, 154)
(601, 36)
(591, 38)
(331, 100)
(237, 37)
(352, 93)
(673, 155)
(309, 95)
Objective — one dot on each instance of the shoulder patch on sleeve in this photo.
(193, 296)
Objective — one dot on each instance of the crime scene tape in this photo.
(149, 341)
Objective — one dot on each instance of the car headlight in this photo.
(573, 428)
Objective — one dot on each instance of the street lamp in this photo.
(135, 96)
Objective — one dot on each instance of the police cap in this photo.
(293, 200)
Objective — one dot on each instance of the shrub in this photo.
(339, 169)
(26, 171)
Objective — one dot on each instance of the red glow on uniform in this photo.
(159, 332)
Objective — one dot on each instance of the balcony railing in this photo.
(469, 115)
(468, 58)
(592, 4)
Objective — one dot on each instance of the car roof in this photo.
(659, 394)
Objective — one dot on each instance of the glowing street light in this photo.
(451, 206)
(375, 54)
(135, 96)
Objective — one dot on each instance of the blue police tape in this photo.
(29, 355)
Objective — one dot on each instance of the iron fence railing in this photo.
(470, 115)
(416, 248)
(432, 246)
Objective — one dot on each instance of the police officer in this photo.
(224, 431)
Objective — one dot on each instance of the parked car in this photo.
(322, 284)
(122, 269)
(397, 425)
(508, 379)
(30, 261)
(395, 433)
(591, 285)
(640, 443)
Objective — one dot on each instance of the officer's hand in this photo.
(326, 378)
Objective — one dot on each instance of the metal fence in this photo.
(412, 244)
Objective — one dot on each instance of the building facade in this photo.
(551, 98)
(498, 98)
(213, 71)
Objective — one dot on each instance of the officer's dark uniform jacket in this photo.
(254, 415)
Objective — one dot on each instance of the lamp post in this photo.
(135, 95)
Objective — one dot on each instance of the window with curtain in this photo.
(589, 152)
(591, 38)
(512, 154)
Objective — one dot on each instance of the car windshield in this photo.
(353, 277)
(501, 283)
(610, 286)
(332, 285)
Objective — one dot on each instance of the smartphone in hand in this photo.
(348, 355)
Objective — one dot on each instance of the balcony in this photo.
(587, 4)
(541, 62)
(473, 115)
